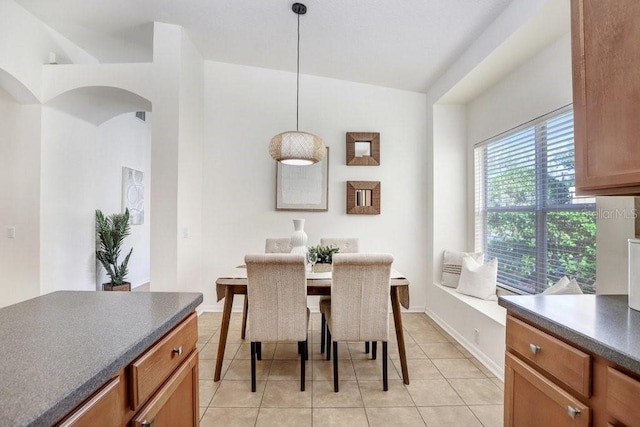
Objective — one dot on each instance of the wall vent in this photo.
(141, 115)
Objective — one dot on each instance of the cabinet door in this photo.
(531, 400)
(622, 397)
(176, 402)
(606, 90)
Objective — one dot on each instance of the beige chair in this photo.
(359, 308)
(277, 245)
(271, 246)
(346, 245)
(277, 286)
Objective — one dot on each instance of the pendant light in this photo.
(297, 147)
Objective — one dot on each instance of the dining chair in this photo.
(277, 245)
(359, 308)
(346, 245)
(277, 286)
(271, 246)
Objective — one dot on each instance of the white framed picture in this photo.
(133, 194)
(303, 188)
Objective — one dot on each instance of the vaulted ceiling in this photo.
(401, 44)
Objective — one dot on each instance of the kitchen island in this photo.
(66, 349)
(572, 360)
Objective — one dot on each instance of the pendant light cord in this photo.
(298, 76)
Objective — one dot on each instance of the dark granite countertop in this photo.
(601, 324)
(57, 349)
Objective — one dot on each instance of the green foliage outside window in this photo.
(532, 221)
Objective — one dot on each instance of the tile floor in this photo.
(448, 386)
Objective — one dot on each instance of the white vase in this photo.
(298, 238)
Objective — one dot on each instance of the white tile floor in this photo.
(448, 386)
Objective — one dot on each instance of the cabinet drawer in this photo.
(176, 403)
(622, 398)
(151, 369)
(532, 400)
(105, 408)
(567, 364)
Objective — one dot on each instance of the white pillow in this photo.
(477, 279)
(452, 265)
(564, 286)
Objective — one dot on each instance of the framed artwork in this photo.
(133, 194)
(363, 148)
(303, 188)
(363, 197)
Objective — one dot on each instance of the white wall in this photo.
(67, 242)
(538, 87)
(25, 43)
(190, 167)
(450, 170)
(615, 224)
(19, 200)
(246, 106)
(81, 172)
(164, 157)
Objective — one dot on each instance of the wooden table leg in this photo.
(245, 310)
(224, 330)
(397, 320)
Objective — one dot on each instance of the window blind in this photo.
(526, 212)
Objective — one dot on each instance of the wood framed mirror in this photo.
(363, 148)
(363, 197)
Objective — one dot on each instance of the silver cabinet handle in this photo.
(573, 412)
(146, 423)
(535, 349)
(178, 350)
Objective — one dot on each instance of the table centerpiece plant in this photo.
(325, 257)
(110, 234)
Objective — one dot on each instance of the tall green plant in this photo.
(110, 233)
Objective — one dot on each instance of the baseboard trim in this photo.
(495, 369)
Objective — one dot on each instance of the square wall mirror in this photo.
(363, 148)
(363, 197)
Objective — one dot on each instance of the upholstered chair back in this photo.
(360, 297)
(277, 291)
(346, 245)
(277, 246)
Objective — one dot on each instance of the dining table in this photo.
(234, 282)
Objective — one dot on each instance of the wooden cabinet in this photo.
(151, 369)
(159, 388)
(545, 379)
(623, 393)
(606, 94)
(176, 403)
(531, 400)
(552, 382)
(107, 407)
(568, 365)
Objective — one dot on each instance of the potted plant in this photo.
(325, 257)
(110, 233)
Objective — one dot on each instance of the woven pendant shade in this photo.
(297, 148)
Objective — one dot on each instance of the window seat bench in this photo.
(478, 325)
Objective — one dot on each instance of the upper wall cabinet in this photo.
(606, 95)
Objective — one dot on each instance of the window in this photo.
(526, 212)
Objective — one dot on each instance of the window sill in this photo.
(490, 309)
